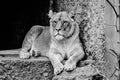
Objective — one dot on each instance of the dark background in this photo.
(17, 17)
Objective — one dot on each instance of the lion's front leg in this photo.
(70, 64)
(56, 58)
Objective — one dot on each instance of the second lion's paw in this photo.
(69, 67)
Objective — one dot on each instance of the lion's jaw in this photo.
(59, 37)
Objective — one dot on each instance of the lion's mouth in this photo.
(59, 36)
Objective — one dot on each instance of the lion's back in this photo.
(42, 42)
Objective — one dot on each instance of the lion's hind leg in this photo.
(28, 43)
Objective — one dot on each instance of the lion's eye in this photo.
(65, 23)
(54, 23)
(66, 26)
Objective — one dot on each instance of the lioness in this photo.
(58, 42)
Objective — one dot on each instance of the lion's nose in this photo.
(58, 26)
(58, 29)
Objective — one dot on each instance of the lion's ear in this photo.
(51, 13)
(72, 14)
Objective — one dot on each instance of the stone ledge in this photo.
(14, 68)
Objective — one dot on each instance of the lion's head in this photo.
(62, 25)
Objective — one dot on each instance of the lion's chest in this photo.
(65, 49)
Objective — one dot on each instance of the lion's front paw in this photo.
(24, 55)
(69, 66)
(58, 68)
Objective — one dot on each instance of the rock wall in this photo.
(112, 23)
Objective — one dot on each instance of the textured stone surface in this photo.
(12, 68)
(111, 22)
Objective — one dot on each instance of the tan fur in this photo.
(58, 42)
(36, 41)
